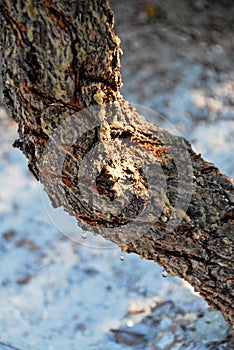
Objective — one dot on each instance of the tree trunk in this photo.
(120, 176)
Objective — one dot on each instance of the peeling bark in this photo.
(145, 189)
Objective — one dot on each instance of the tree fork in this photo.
(61, 81)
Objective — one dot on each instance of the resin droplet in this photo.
(129, 323)
(121, 257)
(164, 273)
(84, 235)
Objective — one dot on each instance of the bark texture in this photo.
(120, 176)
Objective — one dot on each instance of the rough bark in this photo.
(146, 189)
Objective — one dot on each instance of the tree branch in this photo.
(120, 176)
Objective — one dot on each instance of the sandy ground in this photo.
(59, 294)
